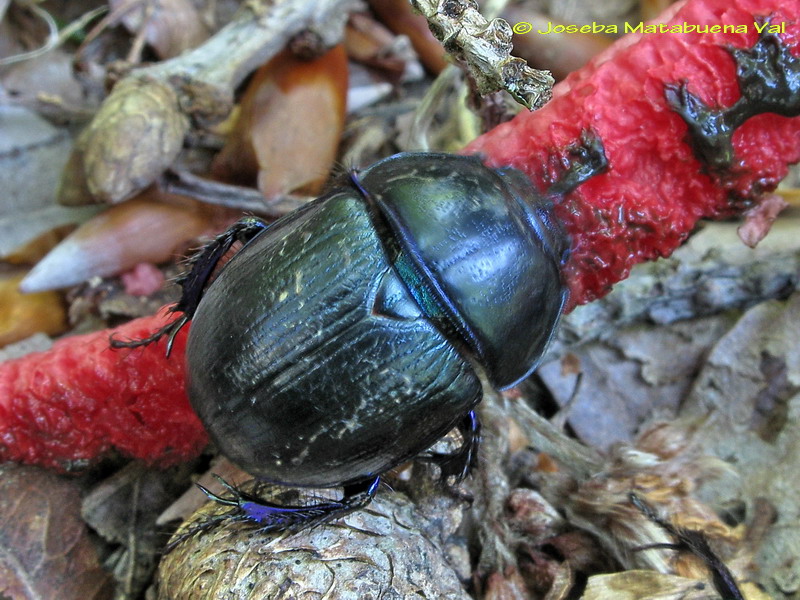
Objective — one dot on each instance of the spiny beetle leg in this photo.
(462, 461)
(696, 543)
(194, 281)
(276, 517)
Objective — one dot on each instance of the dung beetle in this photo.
(346, 338)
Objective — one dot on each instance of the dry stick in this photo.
(231, 196)
(258, 32)
(485, 48)
(140, 128)
(582, 462)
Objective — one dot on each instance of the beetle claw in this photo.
(195, 280)
(170, 330)
(460, 463)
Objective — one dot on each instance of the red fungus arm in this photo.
(655, 188)
(78, 400)
(71, 404)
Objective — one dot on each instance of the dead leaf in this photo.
(111, 242)
(626, 379)
(123, 510)
(45, 551)
(401, 18)
(32, 153)
(370, 43)
(22, 315)
(289, 127)
(646, 585)
(747, 398)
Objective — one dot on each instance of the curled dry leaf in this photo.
(646, 585)
(664, 469)
(22, 315)
(289, 126)
(137, 133)
(508, 585)
(398, 16)
(45, 551)
(111, 242)
(370, 43)
(388, 550)
(746, 402)
(170, 26)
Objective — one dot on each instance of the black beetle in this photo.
(345, 338)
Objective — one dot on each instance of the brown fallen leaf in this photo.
(45, 551)
(111, 242)
(370, 43)
(398, 16)
(289, 126)
(22, 315)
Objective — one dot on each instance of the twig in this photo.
(258, 32)
(230, 196)
(54, 37)
(156, 105)
(581, 461)
(485, 47)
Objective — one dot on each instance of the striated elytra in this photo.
(345, 338)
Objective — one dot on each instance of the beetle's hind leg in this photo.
(463, 460)
(194, 281)
(271, 516)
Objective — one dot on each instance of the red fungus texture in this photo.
(655, 189)
(71, 404)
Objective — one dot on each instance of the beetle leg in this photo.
(696, 543)
(194, 281)
(463, 460)
(276, 517)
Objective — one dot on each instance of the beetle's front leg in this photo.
(193, 282)
(463, 460)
